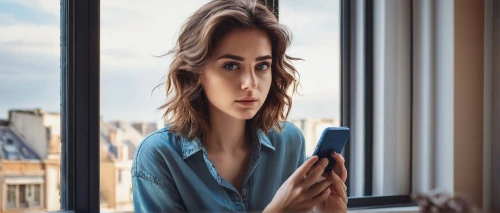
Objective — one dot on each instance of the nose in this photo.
(249, 80)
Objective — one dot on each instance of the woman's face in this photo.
(237, 77)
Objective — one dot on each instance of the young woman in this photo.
(227, 147)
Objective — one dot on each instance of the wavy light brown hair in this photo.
(187, 103)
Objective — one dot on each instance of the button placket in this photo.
(238, 205)
(245, 196)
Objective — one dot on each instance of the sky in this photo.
(132, 33)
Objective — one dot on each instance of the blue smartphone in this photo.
(332, 139)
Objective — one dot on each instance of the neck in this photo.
(227, 134)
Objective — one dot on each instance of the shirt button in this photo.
(239, 208)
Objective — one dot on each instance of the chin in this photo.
(244, 115)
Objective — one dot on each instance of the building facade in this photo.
(41, 131)
(22, 175)
(119, 141)
(21, 179)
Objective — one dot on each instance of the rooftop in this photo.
(126, 134)
(36, 112)
(14, 147)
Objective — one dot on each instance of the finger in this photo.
(306, 166)
(315, 172)
(322, 177)
(341, 166)
(319, 187)
(321, 197)
(343, 197)
(344, 186)
(338, 185)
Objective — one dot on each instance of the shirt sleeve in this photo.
(152, 197)
(153, 186)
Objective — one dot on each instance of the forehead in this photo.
(245, 43)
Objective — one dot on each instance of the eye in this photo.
(231, 66)
(263, 66)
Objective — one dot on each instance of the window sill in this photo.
(409, 209)
(406, 209)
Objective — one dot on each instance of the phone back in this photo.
(332, 139)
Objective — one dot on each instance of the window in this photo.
(11, 196)
(130, 39)
(315, 30)
(380, 123)
(23, 196)
(37, 193)
(30, 85)
(123, 44)
(23, 203)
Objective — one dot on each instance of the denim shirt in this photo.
(173, 174)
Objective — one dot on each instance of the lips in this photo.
(247, 102)
(247, 99)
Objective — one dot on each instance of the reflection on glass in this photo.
(316, 39)
(30, 103)
(132, 34)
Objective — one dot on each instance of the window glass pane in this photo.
(22, 196)
(30, 103)
(132, 34)
(315, 27)
(37, 195)
(11, 196)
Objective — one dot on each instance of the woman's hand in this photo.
(337, 200)
(300, 193)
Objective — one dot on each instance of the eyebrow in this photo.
(239, 58)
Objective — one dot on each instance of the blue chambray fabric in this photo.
(173, 174)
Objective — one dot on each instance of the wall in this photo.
(53, 121)
(123, 188)
(52, 184)
(21, 172)
(117, 194)
(17, 166)
(468, 98)
(108, 182)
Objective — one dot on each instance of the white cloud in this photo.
(7, 19)
(149, 30)
(48, 6)
(29, 38)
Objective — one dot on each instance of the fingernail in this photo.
(334, 154)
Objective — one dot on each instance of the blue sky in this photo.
(132, 31)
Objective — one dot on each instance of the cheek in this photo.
(216, 86)
(266, 81)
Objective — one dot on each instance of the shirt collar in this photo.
(190, 147)
(264, 140)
